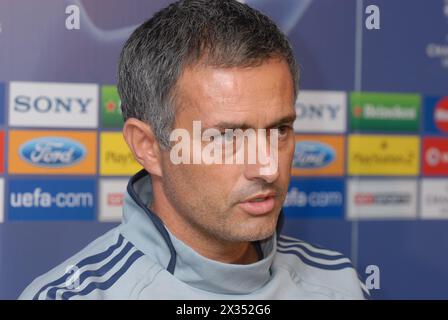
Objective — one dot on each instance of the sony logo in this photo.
(317, 111)
(45, 104)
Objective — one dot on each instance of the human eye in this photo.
(227, 136)
(284, 130)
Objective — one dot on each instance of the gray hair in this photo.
(222, 33)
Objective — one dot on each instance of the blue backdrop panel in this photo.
(36, 46)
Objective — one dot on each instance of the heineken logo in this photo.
(111, 106)
(370, 111)
(357, 111)
(385, 112)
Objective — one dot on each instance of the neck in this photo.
(204, 244)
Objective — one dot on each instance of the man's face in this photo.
(212, 199)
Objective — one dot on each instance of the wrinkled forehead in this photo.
(252, 96)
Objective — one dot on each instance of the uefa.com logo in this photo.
(226, 147)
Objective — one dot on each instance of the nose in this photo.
(254, 172)
(266, 165)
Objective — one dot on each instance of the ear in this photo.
(143, 144)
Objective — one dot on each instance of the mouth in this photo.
(259, 204)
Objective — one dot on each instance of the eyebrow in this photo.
(289, 119)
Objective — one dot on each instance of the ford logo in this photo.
(52, 152)
(312, 155)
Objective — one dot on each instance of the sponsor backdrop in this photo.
(370, 171)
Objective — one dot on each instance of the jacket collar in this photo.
(148, 233)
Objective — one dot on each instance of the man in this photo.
(203, 229)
